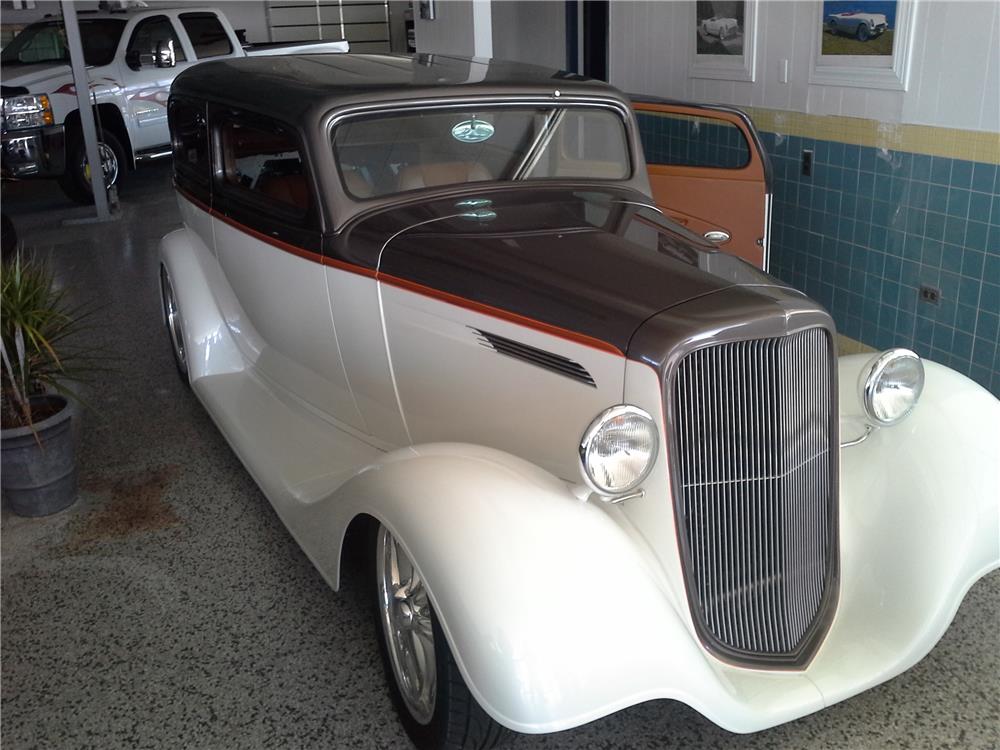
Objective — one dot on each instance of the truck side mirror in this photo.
(165, 57)
(133, 60)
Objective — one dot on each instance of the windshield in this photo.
(46, 42)
(396, 152)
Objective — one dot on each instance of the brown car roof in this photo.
(295, 86)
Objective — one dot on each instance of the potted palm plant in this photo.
(38, 360)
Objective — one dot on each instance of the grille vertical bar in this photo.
(754, 427)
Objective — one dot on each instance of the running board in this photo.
(152, 155)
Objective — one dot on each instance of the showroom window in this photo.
(208, 37)
(192, 163)
(148, 35)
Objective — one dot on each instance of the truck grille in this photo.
(756, 494)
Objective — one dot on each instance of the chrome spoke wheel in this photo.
(405, 613)
(109, 164)
(175, 325)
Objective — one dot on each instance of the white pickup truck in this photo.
(132, 57)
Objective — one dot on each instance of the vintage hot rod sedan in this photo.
(434, 307)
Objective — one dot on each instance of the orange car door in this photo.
(709, 173)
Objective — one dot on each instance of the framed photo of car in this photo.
(863, 44)
(725, 35)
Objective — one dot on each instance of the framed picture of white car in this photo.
(720, 27)
(725, 39)
(863, 44)
(859, 28)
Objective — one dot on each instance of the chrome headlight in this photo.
(618, 449)
(27, 111)
(890, 385)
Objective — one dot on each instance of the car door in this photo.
(267, 231)
(147, 85)
(709, 173)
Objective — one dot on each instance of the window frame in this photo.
(747, 146)
(337, 118)
(178, 46)
(249, 207)
(191, 40)
(186, 176)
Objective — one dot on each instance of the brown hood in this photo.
(598, 263)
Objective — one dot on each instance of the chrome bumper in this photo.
(34, 152)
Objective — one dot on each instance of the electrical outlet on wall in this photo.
(807, 162)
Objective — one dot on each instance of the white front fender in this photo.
(555, 614)
(919, 524)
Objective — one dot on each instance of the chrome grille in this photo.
(756, 491)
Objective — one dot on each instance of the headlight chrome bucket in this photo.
(618, 450)
(890, 385)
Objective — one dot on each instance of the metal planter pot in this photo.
(39, 463)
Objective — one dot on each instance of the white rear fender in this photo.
(191, 266)
(555, 614)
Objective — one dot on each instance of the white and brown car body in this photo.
(431, 358)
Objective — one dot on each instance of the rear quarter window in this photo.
(262, 162)
(189, 142)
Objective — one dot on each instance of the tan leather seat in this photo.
(290, 189)
(442, 173)
(356, 184)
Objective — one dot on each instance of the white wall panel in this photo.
(529, 31)
(954, 81)
(452, 31)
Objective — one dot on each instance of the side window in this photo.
(262, 163)
(208, 37)
(685, 140)
(147, 35)
(189, 138)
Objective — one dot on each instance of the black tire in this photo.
(174, 324)
(862, 33)
(75, 182)
(458, 722)
(833, 29)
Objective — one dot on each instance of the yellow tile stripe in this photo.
(921, 139)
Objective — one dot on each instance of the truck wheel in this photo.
(862, 33)
(76, 182)
(434, 705)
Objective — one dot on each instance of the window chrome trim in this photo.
(336, 117)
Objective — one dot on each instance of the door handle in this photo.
(716, 235)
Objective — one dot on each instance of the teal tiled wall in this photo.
(869, 227)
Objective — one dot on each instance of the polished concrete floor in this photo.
(170, 609)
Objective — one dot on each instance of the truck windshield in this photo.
(46, 42)
(399, 151)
